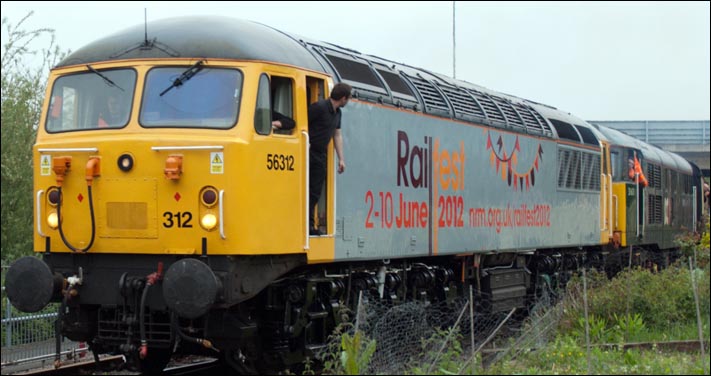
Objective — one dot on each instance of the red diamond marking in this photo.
(80, 197)
(177, 196)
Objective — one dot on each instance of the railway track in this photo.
(116, 365)
(86, 367)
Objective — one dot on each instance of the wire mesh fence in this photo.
(464, 336)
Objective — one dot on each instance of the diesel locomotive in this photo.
(170, 216)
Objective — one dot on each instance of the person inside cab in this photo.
(114, 114)
(635, 170)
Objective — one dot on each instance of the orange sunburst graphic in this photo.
(507, 163)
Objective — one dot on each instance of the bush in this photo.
(654, 300)
(22, 95)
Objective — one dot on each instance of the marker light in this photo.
(53, 220)
(208, 196)
(208, 221)
(53, 196)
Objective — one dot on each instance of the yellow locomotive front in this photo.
(149, 159)
(161, 184)
(166, 172)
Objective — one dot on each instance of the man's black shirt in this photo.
(323, 122)
(287, 123)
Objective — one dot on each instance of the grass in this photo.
(566, 356)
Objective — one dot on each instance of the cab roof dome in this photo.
(197, 37)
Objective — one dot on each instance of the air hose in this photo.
(61, 166)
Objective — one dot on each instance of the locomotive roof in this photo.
(228, 38)
(222, 37)
(197, 37)
(650, 152)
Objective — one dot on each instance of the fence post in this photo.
(471, 325)
(698, 311)
(446, 340)
(8, 328)
(587, 325)
(360, 301)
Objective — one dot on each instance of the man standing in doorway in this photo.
(324, 124)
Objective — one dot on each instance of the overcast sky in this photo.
(598, 61)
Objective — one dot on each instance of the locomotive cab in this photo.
(203, 175)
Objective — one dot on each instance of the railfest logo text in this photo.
(427, 165)
(421, 166)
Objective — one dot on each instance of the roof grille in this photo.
(463, 103)
(530, 119)
(541, 120)
(490, 108)
(512, 116)
(432, 98)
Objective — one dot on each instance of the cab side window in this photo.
(282, 92)
(615, 164)
(262, 113)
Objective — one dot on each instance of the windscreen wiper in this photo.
(106, 79)
(188, 74)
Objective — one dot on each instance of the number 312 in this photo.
(181, 219)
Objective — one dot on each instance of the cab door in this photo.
(316, 91)
(321, 248)
(607, 210)
(279, 165)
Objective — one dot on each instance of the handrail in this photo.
(333, 217)
(693, 189)
(638, 203)
(609, 179)
(604, 205)
(197, 147)
(222, 216)
(39, 213)
(306, 199)
(53, 150)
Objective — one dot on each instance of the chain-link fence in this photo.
(457, 336)
(418, 336)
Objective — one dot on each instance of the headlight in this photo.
(53, 220)
(208, 221)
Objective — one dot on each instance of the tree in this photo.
(22, 93)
